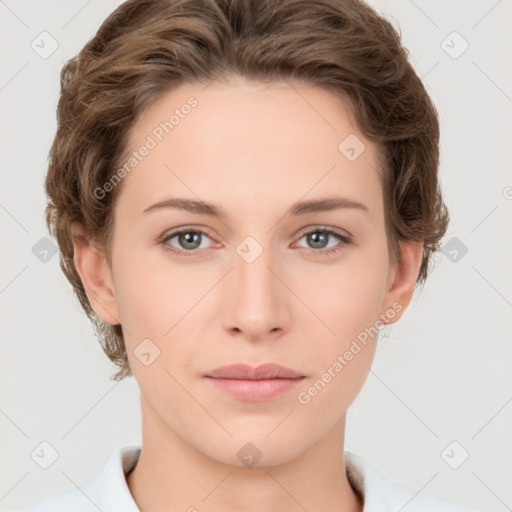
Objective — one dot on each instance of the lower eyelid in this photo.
(343, 240)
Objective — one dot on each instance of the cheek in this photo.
(160, 303)
(349, 306)
(145, 291)
(343, 353)
(350, 296)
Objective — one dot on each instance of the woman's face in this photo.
(260, 281)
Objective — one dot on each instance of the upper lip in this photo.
(246, 372)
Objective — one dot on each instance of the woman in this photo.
(244, 193)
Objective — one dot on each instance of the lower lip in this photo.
(255, 390)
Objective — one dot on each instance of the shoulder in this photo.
(107, 491)
(383, 495)
(72, 500)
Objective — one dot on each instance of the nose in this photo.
(258, 303)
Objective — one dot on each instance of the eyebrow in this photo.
(299, 208)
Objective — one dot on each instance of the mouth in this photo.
(254, 384)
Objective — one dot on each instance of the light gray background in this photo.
(442, 374)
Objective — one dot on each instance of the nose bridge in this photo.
(254, 276)
(258, 305)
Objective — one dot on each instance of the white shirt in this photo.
(109, 492)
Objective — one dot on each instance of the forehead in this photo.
(242, 142)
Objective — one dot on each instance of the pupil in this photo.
(187, 238)
(314, 238)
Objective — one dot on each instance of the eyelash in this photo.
(345, 239)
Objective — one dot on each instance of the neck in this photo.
(173, 475)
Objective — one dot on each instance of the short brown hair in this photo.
(147, 47)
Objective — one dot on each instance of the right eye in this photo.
(189, 240)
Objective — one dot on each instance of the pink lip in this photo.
(264, 371)
(255, 384)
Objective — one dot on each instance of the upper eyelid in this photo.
(185, 229)
(320, 227)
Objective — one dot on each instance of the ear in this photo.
(92, 267)
(401, 279)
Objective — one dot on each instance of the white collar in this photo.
(109, 492)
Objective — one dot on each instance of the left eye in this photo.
(318, 239)
(190, 240)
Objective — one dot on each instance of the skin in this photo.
(254, 149)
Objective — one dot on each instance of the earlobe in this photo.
(92, 267)
(402, 278)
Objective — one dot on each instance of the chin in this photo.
(256, 448)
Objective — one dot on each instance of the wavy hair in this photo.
(147, 47)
